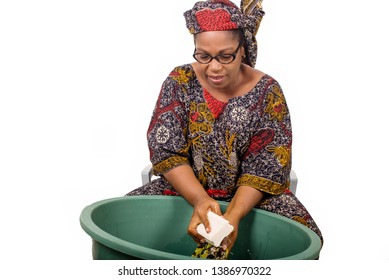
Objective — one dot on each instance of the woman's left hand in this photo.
(243, 201)
(229, 241)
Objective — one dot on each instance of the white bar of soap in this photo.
(220, 228)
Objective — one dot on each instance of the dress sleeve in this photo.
(167, 133)
(266, 164)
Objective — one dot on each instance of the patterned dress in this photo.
(243, 142)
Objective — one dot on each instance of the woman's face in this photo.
(221, 77)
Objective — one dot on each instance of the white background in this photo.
(79, 80)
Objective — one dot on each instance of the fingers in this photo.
(192, 230)
(229, 241)
(215, 208)
(205, 222)
(200, 217)
(202, 209)
(226, 243)
(196, 237)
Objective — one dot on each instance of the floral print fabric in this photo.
(243, 142)
(246, 141)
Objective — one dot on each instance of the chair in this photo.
(147, 173)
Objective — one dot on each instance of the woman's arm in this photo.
(169, 146)
(184, 181)
(241, 204)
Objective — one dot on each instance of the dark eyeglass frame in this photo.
(217, 57)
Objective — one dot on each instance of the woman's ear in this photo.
(243, 51)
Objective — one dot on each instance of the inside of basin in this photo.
(158, 225)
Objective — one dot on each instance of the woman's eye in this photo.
(225, 57)
(204, 56)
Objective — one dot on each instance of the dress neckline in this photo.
(232, 98)
(216, 106)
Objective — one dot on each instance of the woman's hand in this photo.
(229, 241)
(200, 209)
(184, 181)
(243, 201)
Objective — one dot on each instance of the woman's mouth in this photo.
(216, 79)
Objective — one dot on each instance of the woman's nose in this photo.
(215, 65)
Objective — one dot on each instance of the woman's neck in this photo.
(245, 81)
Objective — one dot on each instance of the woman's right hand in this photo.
(200, 210)
(184, 181)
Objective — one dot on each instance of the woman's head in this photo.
(219, 55)
(232, 35)
(223, 15)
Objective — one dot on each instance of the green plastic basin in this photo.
(155, 227)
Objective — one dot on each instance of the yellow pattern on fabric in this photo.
(231, 162)
(207, 170)
(169, 163)
(276, 107)
(200, 127)
(282, 153)
(300, 220)
(208, 251)
(248, 6)
(261, 184)
(227, 150)
(183, 76)
(204, 121)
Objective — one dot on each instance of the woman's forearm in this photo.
(184, 181)
(245, 199)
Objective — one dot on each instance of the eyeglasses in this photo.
(205, 58)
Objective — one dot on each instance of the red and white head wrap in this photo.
(220, 15)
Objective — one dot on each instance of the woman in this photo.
(221, 129)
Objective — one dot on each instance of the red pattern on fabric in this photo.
(216, 106)
(211, 193)
(174, 74)
(194, 116)
(169, 192)
(259, 141)
(215, 20)
(278, 108)
(217, 193)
